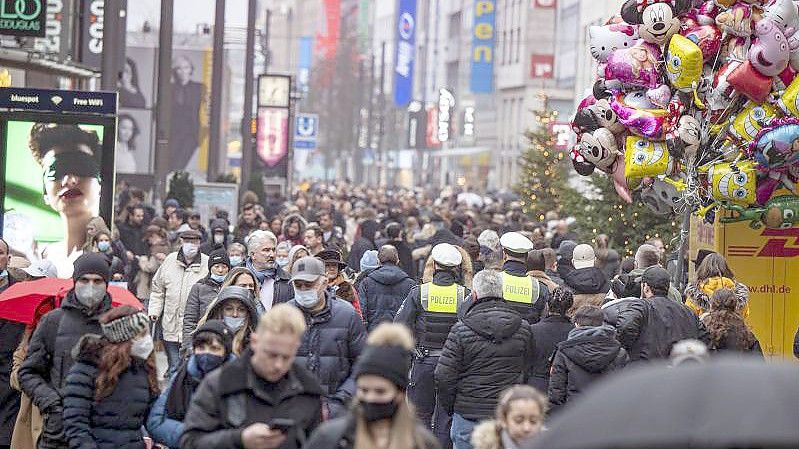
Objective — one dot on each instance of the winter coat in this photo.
(555, 277)
(232, 397)
(589, 285)
(201, 295)
(359, 247)
(148, 266)
(160, 426)
(487, 435)
(698, 294)
(673, 295)
(332, 342)
(215, 311)
(10, 337)
(286, 222)
(489, 350)
(282, 290)
(343, 289)
(29, 422)
(648, 328)
(445, 236)
(543, 278)
(611, 310)
(547, 333)
(170, 291)
(43, 373)
(586, 355)
(339, 433)
(132, 237)
(113, 422)
(382, 293)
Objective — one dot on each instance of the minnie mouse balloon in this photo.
(657, 19)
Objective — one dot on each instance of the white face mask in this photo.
(219, 238)
(90, 294)
(142, 347)
(189, 250)
(307, 299)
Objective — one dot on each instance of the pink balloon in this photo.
(769, 54)
(636, 66)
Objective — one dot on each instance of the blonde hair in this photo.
(391, 334)
(282, 319)
(516, 393)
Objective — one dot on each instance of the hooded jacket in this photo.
(698, 294)
(586, 355)
(209, 246)
(382, 293)
(547, 333)
(43, 374)
(216, 312)
(487, 351)
(201, 295)
(590, 287)
(364, 243)
(287, 222)
(113, 422)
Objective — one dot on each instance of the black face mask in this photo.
(76, 163)
(377, 411)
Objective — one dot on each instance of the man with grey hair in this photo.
(487, 351)
(275, 283)
(646, 256)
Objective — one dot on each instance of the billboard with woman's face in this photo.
(57, 176)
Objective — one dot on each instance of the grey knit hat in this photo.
(125, 328)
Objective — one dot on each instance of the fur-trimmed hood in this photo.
(467, 271)
(291, 218)
(700, 292)
(486, 436)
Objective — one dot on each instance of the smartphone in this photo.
(281, 424)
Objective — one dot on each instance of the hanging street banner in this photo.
(91, 32)
(405, 53)
(481, 80)
(23, 17)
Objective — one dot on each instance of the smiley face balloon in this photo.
(736, 183)
(645, 158)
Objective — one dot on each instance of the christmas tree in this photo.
(600, 210)
(544, 169)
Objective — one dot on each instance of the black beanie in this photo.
(221, 330)
(218, 256)
(91, 263)
(390, 362)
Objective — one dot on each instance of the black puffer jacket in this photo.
(648, 328)
(587, 280)
(333, 341)
(382, 293)
(113, 422)
(547, 333)
(589, 353)
(43, 372)
(201, 295)
(487, 351)
(10, 336)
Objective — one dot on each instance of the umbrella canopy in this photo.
(726, 403)
(20, 301)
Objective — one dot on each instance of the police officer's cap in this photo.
(447, 255)
(516, 243)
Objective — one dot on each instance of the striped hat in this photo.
(118, 327)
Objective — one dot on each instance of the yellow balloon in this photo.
(683, 63)
(645, 158)
(736, 183)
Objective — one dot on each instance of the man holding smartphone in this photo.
(262, 400)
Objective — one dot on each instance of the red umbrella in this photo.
(20, 301)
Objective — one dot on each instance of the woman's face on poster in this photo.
(183, 71)
(125, 131)
(70, 194)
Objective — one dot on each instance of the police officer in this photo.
(430, 310)
(523, 293)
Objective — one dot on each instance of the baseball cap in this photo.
(307, 269)
(42, 269)
(583, 256)
(446, 255)
(656, 278)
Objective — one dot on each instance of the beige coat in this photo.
(170, 291)
(29, 422)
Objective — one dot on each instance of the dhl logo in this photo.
(783, 243)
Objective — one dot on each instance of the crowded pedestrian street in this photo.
(406, 224)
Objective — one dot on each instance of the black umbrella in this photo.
(726, 403)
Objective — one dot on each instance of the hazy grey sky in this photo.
(188, 13)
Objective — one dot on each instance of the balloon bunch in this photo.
(696, 106)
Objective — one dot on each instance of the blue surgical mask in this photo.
(4, 274)
(218, 278)
(104, 245)
(306, 298)
(208, 362)
(282, 262)
(234, 323)
(235, 261)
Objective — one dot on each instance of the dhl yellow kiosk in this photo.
(767, 261)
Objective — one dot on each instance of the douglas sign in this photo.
(22, 17)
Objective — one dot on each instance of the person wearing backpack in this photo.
(43, 372)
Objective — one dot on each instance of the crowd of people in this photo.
(344, 317)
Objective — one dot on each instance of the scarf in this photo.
(260, 275)
(181, 391)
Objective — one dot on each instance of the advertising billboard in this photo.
(483, 37)
(22, 17)
(56, 170)
(405, 53)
